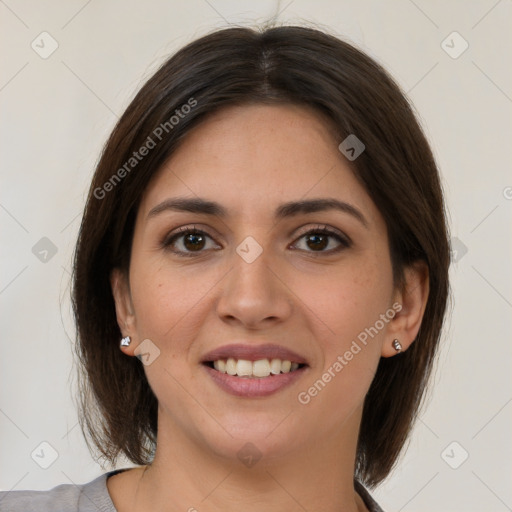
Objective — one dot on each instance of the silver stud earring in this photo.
(397, 346)
(126, 341)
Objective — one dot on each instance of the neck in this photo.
(187, 476)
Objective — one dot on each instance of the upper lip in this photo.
(253, 353)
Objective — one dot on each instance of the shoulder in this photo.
(89, 497)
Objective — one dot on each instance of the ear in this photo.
(124, 307)
(412, 297)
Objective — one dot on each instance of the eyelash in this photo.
(344, 240)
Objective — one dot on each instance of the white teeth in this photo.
(243, 368)
(275, 366)
(261, 368)
(285, 366)
(231, 366)
(220, 365)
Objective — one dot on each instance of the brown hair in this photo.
(237, 66)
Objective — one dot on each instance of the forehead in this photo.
(251, 157)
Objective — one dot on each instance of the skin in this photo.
(251, 159)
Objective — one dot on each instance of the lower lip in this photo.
(255, 386)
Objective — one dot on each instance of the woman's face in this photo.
(253, 285)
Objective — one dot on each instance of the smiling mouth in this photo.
(262, 368)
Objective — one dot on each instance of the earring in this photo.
(126, 341)
(397, 346)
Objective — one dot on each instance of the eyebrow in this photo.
(290, 209)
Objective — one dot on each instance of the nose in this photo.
(255, 294)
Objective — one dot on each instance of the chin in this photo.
(257, 435)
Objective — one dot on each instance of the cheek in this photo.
(169, 302)
(350, 301)
(351, 308)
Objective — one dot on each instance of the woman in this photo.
(260, 282)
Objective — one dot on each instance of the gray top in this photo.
(93, 497)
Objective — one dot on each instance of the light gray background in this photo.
(57, 112)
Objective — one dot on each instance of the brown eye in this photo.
(317, 240)
(187, 241)
(193, 241)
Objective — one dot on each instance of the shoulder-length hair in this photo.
(238, 66)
